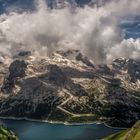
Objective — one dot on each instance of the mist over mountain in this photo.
(95, 30)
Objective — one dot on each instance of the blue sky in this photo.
(28, 4)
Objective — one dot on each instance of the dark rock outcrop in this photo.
(16, 70)
(84, 59)
(56, 75)
(24, 53)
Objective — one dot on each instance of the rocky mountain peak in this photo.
(130, 66)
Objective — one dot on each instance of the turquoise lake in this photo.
(28, 130)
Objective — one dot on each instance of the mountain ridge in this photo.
(64, 88)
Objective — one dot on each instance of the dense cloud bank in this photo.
(94, 30)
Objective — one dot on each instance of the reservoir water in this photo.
(29, 130)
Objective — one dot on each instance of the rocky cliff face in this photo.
(69, 87)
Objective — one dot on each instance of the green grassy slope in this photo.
(6, 134)
(129, 134)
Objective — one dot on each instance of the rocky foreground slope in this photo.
(68, 87)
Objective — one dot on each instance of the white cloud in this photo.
(95, 31)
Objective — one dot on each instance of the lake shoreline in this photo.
(62, 123)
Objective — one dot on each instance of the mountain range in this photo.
(68, 87)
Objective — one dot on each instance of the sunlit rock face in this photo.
(68, 85)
